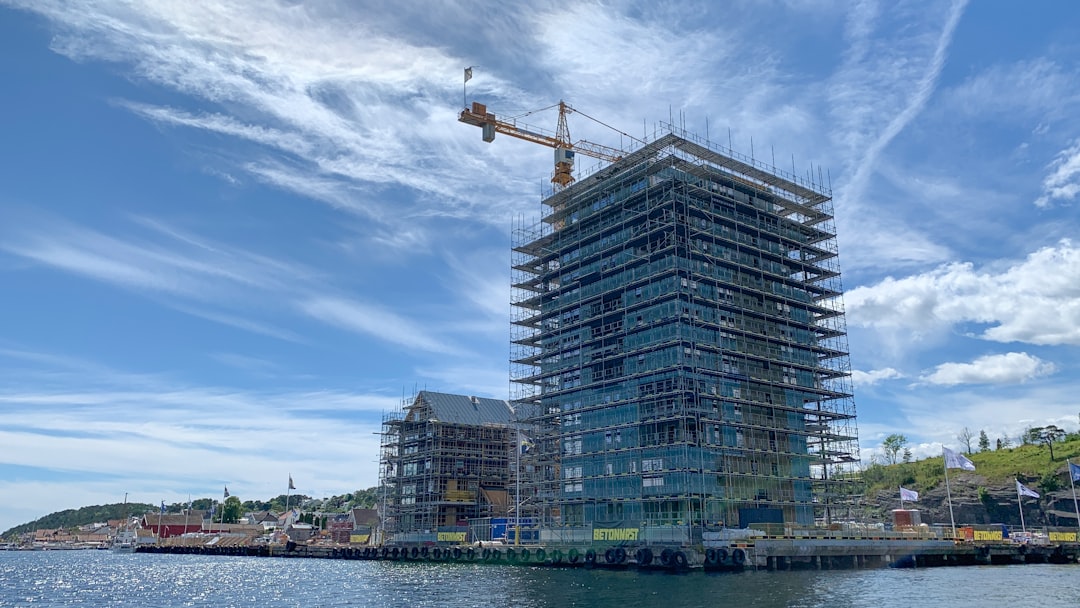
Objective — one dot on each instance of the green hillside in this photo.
(1031, 463)
(73, 518)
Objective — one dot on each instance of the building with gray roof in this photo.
(443, 459)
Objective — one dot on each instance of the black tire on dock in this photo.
(511, 555)
(573, 556)
(470, 554)
(436, 553)
(590, 557)
(525, 555)
(485, 555)
(643, 556)
(721, 555)
(665, 557)
(710, 556)
(424, 552)
(414, 552)
(556, 556)
(738, 557)
(457, 552)
(620, 555)
(609, 555)
(679, 559)
(541, 555)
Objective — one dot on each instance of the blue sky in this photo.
(234, 235)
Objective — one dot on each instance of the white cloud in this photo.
(1063, 182)
(1036, 300)
(1008, 368)
(872, 377)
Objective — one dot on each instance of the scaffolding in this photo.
(444, 460)
(678, 330)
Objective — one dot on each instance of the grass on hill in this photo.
(1031, 461)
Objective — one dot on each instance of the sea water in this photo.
(105, 579)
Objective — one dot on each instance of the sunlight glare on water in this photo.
(101, 578)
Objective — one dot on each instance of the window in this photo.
(652, 481)
(609, 469)
(652, 464)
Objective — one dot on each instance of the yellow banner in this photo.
(614, 533)
(1068, 537)
(451, 537)
(359, 539)
(988, 535)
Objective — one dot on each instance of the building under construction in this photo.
(446, 459)
(678, 324)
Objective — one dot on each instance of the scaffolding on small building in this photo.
(444, 460)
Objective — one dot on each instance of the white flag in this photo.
(956, 460)
(468, 74)
(908, 495)
(1023, 490)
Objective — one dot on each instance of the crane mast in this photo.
(565, 149)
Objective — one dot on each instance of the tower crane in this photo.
(565, 149)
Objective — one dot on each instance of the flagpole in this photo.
(1072, 484)
(1020, 505)
(901, 499)
(465, 87)
(288, 492)
(187, 513)
(517, 490)
(948, 491)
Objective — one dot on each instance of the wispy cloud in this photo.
(127, 432)
(350, 101)
(885, 83)
(1063, 182)
(223, 283)
(370, 320)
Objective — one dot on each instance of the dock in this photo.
(760, 554)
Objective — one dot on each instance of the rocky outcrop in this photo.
(976, 501)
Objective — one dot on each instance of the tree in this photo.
(892, 446)
(1004, 442)
(231, 510)
(1031, 435)
(984, 441)
(1048, 435)
(907, 454)
(965, 436)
